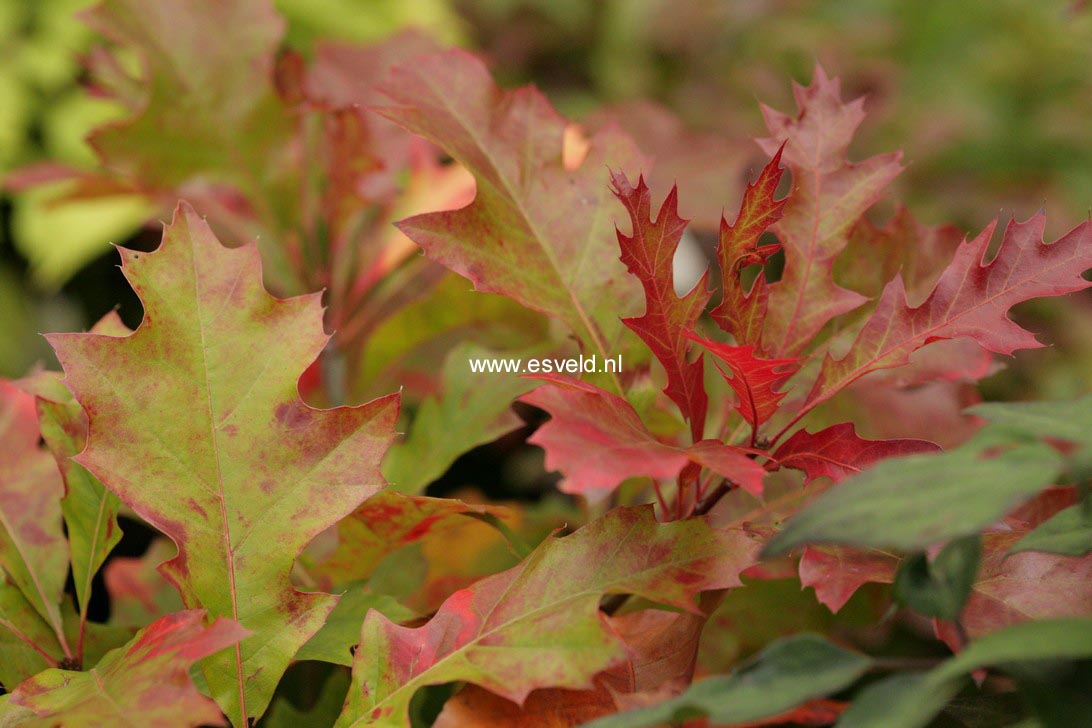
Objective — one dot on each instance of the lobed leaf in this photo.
(742, 312)
(538, 625)
(538, 230)
(971, 299)
(649, 254)
(754, 380)
(597, 440)
(838, 452)
(149, 678)
(250, 474)
(829, 197)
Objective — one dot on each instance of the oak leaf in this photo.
(538, 624)
(249, 474)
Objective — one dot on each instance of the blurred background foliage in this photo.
(989, 99)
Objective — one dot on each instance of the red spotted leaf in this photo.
(538, 624)
(830, 194)
(971, 299)
(838, 452)
(539, 230)
(742, 312)
(754, 380)
(597, 440)
(649, 254)
(147, 679)
(196, 424)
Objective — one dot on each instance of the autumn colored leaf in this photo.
(537, 625)
(907, 502)
(742, 312)
(971, 299)
(251, 474)
(385, 523)
(1017, 587)
(538, 231)
(649, 254)
(90, 511)
(139, 593)
(838, 452)
(785, 675)
(837, 572)
(830, 195)
(754, 380)
(903, 247)
(597, 440)
(33, 551)
(149, 678)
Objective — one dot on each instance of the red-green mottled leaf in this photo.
(649, 254)
(971, 299)
(188, 52)
(196, 425)
(33, 551)
(742, 312)
(147, 679)
(539, 230)
(838, 452)
(829, 196)
(754, 380)
(538, 625)
(597, 440)
(385, 523)
(90, 511)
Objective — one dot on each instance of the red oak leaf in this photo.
(740, 312)
(649, 254)
(538, 230)
(829, 196)
(148, 678)
(538, 625)
(971, 299)
(598, 440)
(753, 379)
(837, 572)
(195, 422)
(838, 452)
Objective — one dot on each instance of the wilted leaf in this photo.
(148, 678)
(250, 474)
(537, 625)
